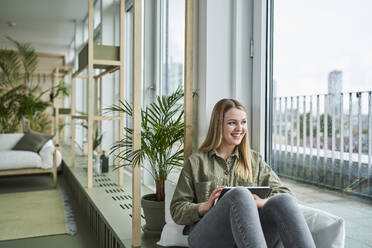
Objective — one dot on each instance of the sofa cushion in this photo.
(9, 140)
(19, 159)
(328, 230)
(32, 141)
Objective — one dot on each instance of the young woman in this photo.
(239, 218)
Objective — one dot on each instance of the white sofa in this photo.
(14, 162)
(328, 230)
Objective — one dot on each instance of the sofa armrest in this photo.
(47, 155)
(55, 153)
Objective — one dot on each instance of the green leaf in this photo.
(162, 135)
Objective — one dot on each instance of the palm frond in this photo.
(10, 66)
(162, 136)
(27, 57)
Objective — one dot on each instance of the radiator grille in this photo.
(104, 234)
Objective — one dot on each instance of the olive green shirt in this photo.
(204, 172)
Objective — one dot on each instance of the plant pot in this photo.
(154, 215)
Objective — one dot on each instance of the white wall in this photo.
(224, 66)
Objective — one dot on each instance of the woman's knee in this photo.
(240, 194)
(282, 200)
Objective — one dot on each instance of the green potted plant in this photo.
(19, 97)
(97, 140)
(97, 137)
(162, 138)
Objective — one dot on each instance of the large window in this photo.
(321, 93)
(163, 53)
(172, 33)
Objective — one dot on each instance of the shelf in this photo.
(102, 117)
(102, 62)
(82, 76)
(62, 111)
(63, 70)
(97, 117)
(104, 57)
(107, 59)
(84, 117)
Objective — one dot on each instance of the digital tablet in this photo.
(262, 191)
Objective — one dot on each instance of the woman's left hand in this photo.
(259, 202)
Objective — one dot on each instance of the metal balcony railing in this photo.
(325, 140)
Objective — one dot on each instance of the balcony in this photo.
(339, 158)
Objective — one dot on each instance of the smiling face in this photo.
(234, 127)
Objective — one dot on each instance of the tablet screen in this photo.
(262, 191)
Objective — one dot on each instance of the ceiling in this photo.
(47, 24)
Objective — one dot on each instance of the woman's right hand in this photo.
(204, 207)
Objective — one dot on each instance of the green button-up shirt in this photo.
(204, 172)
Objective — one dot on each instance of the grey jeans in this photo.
(235, 221)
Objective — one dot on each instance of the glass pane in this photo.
(321, 129)
(128, 55)
(85, 31)
(97, 13)
(173, 45)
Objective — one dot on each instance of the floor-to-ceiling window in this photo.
(172, 45)
(163, 53)
(320, 97)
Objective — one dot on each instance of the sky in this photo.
(312, 38)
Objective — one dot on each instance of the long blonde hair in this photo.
(214, 137)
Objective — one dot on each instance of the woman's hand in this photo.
(204, 207)
(259, 202)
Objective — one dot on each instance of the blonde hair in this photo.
(214, 137)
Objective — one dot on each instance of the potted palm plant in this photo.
(19, 96)
(162, 138)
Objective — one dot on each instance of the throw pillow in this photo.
(172, 233)
(328, 230)
(32, 141)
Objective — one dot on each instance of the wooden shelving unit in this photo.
(60, 72)
(189, 75)
(109, 59)
(94, 57)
